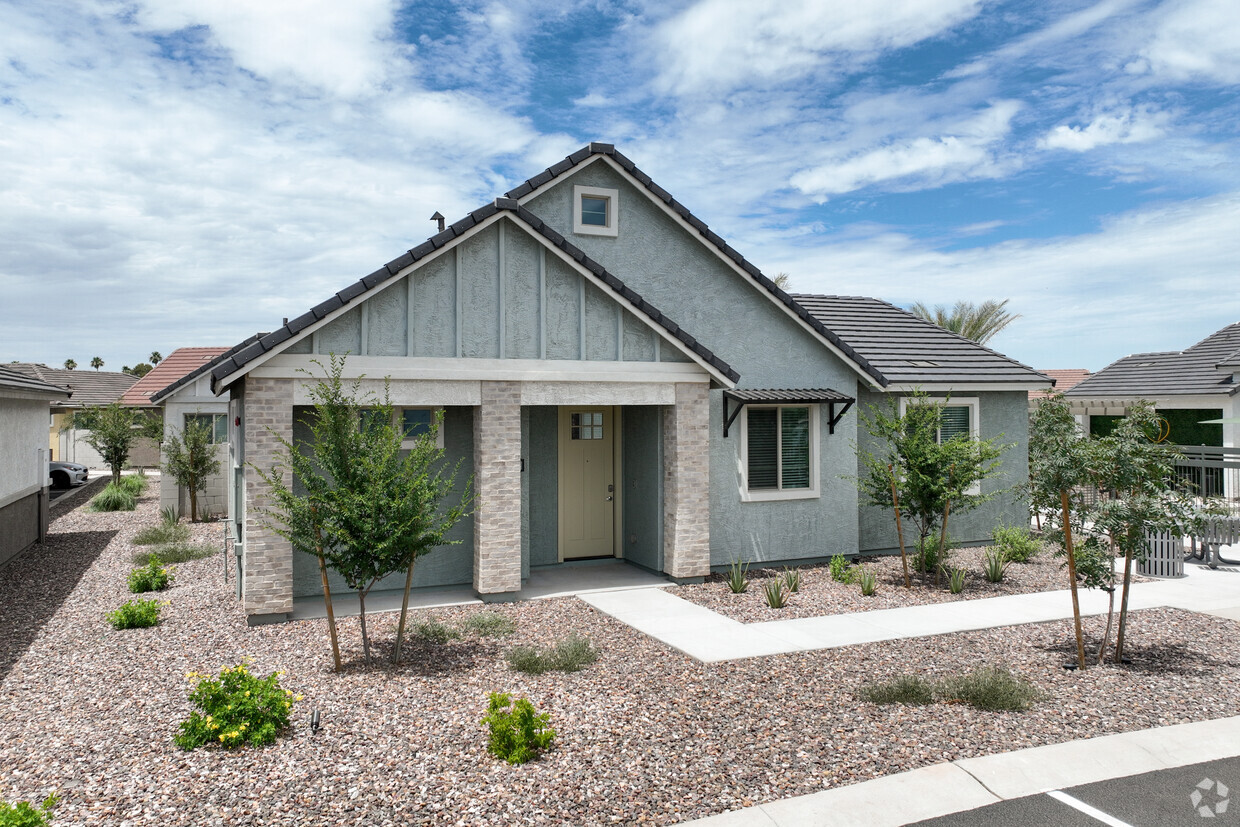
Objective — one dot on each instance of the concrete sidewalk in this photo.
(956, 786)
(710, 637)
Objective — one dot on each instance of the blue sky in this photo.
(182, 173)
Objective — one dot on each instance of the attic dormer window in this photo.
(595, 210)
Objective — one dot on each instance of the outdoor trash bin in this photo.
(1164, 555)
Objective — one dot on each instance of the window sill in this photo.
(770, 495)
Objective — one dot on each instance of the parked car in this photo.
(68, 474)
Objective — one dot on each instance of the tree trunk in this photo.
(193, 504)
(1123, 604)
(942, 544)
(1076, 602)
(404, 611)
(327, 593)
(1106, 636)
(895, 499)
(361, 605)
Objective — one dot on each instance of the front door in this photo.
(587, 482)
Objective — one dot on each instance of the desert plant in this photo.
(489, 624)
(24, 814)
(135, 484)
(792, 579)
(841, 569)
(737, 580)
(136, 614)
(776, 597)
(906, 689)
(990, 688)
(994, 564)
(234, 709)
(869, 582)
(165, 533)
(152, 577)
(517, 733)
(175, 553)
(113, 498)
(571, 654)
(955, 580)
(434, 631)
(1018, 545)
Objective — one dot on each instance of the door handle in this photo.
(609, 498)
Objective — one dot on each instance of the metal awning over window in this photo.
(780, 396)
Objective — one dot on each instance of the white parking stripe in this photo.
(1092, 812)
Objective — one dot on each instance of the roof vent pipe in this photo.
(438, 217)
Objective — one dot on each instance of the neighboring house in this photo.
(1064, 381)
(24, 407)
(621, 383)
(91, 388)
(1188, 388)
(179, 388)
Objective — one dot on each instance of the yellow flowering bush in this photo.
(235, 709)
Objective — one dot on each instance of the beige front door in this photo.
(587, 482)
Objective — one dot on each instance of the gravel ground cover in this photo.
(646, 735)
(820, 595)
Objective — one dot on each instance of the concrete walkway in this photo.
(710, 637)
(957, 786)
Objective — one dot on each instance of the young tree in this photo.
(191, 460)
(96, 363)
(112, 430)
(70, 364)
(913, 467)
(369, 508)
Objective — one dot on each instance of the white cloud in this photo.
(1194, 40)
(717, 45)
(1130, 127)
(966, 152)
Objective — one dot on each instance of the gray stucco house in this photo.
(25, 408)
(623, 384)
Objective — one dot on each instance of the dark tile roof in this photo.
(557, 169)
(1173, 373)
(90, 387)
(175, 365)
(243, 354)
(20, 381)
(909, 350)
(788, 395)
(160, 395)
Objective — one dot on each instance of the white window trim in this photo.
(186, 416)
(975, 419)
(769, 494)
(400, 423)
(613, 211)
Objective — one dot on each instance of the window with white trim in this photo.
(414, 422)
(215, 423)
(779, 450)
(959, 415)
(595, 210)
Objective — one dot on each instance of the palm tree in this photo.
(70, 364)
(155, 358)
(981, 322)
(96, 363)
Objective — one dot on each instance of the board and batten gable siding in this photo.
(499, 294)
(23, 428)
(1004, 415)
(675, 270)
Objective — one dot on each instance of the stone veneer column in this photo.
(497, 486)
(686, 483)
(267, 587)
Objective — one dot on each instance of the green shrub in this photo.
(841, 569)
(489, 624)
(176, 553)
(792, 579)
(569, 655)
(150, 578)
(517, 732)
(906, 689)
(161, 535)
(955, 580)
(113, 498)
(994, 564)
(990, 688)
(776, 597)
(136, 614)
(1018, 545)
(434, 631)
(236, 708)
(135, 484)
(737, 580)
(930, 557)
(869, 582)
(22, 814)
(168, 515)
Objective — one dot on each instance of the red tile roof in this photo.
(1064, 379)
(178, 363)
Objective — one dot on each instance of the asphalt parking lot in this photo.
(1198, 794)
